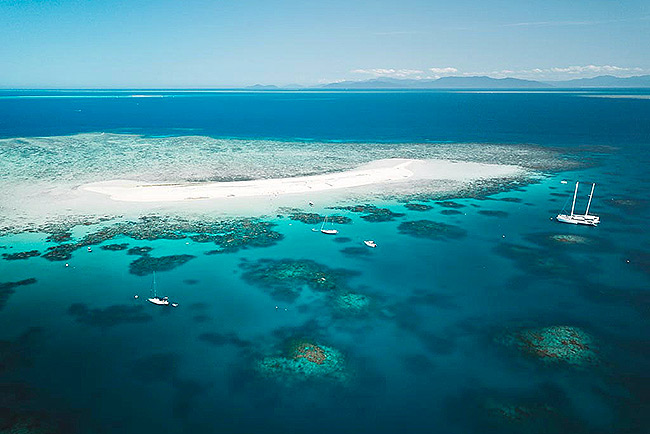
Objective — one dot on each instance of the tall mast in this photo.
(154, 284)
(323, 225)
(575, 194)
(590, 196)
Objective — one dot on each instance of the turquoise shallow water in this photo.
(442, 346)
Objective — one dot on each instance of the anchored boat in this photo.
(580, 219)
(160, 301)
(327, 231)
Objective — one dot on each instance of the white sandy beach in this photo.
(377, 173)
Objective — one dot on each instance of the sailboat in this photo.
(327, 231)
(580, 219)
(160, 301)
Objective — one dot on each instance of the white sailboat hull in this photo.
(588, 220)
(158, 301)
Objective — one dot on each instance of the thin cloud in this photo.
(390, 72)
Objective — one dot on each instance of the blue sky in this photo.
(164, 43)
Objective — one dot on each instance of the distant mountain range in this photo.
(484, 82)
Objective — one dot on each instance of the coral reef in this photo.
(114, 247)
(431, 230)
(565, 344)
(229, 235)
(148, 264)
(372, 213)
(417, 206)
(285, 279)
(356, 251)
(21, 255)
(492, 213)
(450, 212)
(351, 302)
(305, 360)
(450, 204)
(139, 251)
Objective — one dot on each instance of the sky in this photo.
(224, 43)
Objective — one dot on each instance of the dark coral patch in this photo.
(59, 237)
(450, 212)
(565, 344)
(285, 279)
(20, 255)
(491, 213)
(417, 206)
(229, 235)
(115, 247)
(62, 252)
(139, 251)
(356, 251)
(372, 213)
(148, 264)
(450, 204)
(342, 240)
(432, 230)
(109, 316)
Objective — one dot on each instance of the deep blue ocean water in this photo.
(428, 355)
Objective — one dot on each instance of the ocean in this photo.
(477, 312)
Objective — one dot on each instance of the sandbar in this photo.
(377, 173)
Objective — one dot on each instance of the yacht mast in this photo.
(575, 194)
(590, 196)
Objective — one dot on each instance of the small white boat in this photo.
(580, 219)
(327, 231)
(154, 299)
(370, 243)
(160, 301)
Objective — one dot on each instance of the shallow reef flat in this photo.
(43, 176)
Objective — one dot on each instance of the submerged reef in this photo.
(139, 251)
(351, 302)
(303, 361)
(20, 255)
(115, 247)
(492, 213)
(565, 344)
(431, 230)
(314, 218)
(450, 212)
(148, 264)
(417, 206)
(7, 288)
(229, 235)
(450, 204)
(108, 316)
(286, 278)
(537, 261)
(372, 213)
(356, 251)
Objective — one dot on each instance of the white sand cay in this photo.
(376, 173)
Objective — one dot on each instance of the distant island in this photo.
(473, 82)
(484, 82)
